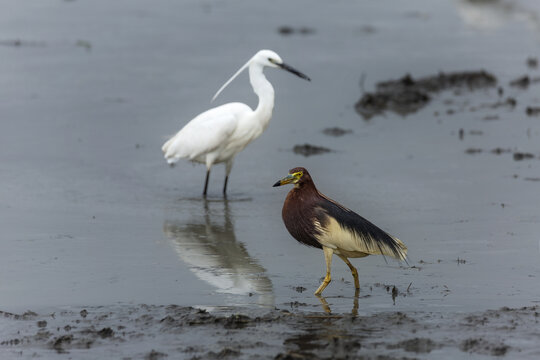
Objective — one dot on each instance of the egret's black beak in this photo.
(293, 71)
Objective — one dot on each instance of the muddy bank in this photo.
(408, 95)
(155, 332)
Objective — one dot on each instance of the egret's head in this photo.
(297, 176)
(268, 58)
(263, 58)
(272, 59)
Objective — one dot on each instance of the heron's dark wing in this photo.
(344, 229)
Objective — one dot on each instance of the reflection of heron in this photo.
(326, 306)
(214, 255)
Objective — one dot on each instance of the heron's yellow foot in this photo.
(324, 284)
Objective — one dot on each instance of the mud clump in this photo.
(417, 345)
(336, 131)
(408, 95)
(286, 30)
(481, 346)
(155, 355)
(472, 151)
(532, 111)
(518, 156)
(59, 343)
(523, 82)
(41, 323)
(105, 333)
(308, 150)
(236, 321)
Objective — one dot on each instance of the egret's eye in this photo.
(272, 60)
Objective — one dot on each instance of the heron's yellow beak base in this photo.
(291, 178)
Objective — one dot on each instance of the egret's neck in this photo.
(265, 92)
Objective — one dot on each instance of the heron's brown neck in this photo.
(305, 190)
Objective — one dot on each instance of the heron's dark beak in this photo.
(294, 71)
(286, 180)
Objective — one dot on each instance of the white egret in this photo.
(218, 134)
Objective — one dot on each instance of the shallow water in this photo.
(92, 215)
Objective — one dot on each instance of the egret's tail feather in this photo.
(165, 146)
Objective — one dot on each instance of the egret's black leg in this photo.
(206, 182)
(225, 185)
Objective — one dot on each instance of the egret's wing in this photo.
(343, 228)
(205, 133)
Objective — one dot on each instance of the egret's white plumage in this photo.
(218, 134)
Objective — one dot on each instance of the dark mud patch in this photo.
(532, 111)
(21, 43)
(156, 332)
(417, 345)
(524, 82)
(516, 155)
(482, 346)
(309, 150)
(286, 30)
(336, 131)
(472, 151)
(408, 95)
(532, 63)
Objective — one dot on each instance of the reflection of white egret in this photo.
(492, 14)
(214, 255)
(218, 134)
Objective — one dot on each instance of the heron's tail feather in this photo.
(398, 250)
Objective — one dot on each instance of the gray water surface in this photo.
(92, 215)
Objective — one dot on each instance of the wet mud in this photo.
(156, 332)
(516, 155)
(309, 150)
(407, 95)
(524, 82)
(336, 131)
(286, 30)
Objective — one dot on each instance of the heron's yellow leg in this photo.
(353, 271)
(328, 258)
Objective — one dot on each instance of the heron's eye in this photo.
(272, 60)
(298, 175)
